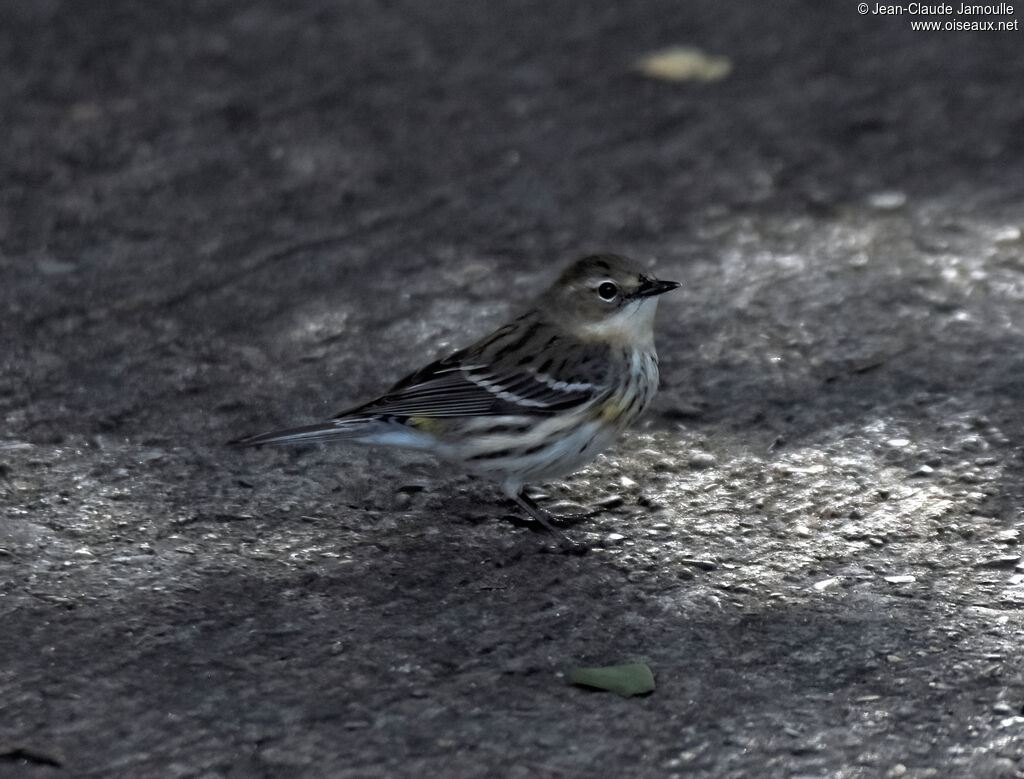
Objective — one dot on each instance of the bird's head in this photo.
(606, 297)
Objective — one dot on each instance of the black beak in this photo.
(651, 287)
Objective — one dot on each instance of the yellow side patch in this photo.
(429, 425)
(610, 410)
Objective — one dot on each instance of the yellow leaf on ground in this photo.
(684, 63)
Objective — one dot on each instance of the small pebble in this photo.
(1008, 536)
(565, 508)
(702, 460)
(887, 200)
(610, 502)
(1007, 234)
(702, 564)
(1002, 561)
(50, 266)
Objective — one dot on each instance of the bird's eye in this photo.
(608, 291)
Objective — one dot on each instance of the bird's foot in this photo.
(553, 523)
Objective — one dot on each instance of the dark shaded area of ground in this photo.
(220, 217)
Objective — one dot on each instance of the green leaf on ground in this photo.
(626, 680)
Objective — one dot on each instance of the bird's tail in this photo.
(335, 430)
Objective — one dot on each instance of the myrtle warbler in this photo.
(537, 398)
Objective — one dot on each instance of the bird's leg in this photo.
(546, 520)
(545, 517)
(531, 507)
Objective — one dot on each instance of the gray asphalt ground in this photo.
(221, 217)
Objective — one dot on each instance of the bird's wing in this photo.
(455, 388)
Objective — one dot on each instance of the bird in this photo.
(536, 399)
